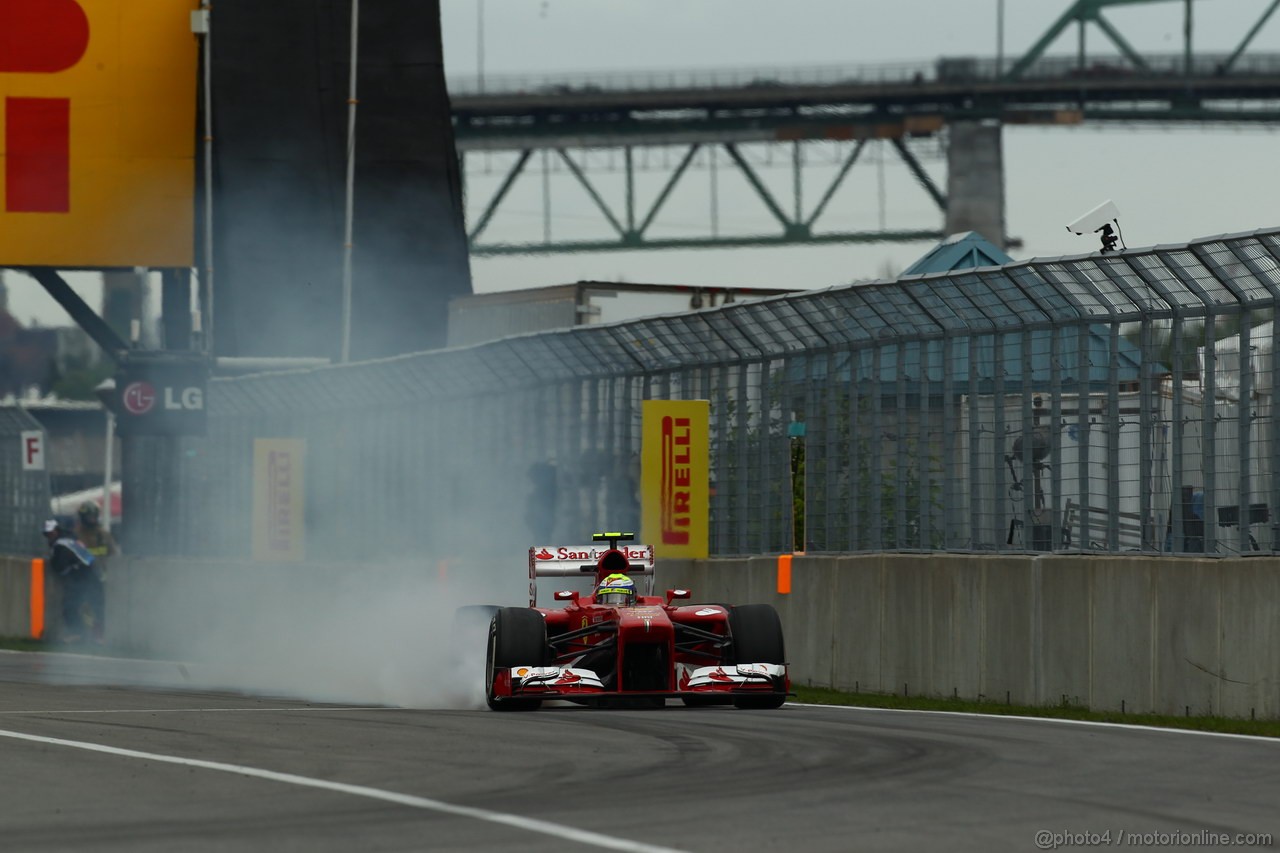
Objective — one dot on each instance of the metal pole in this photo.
(107, 473)
(206, 321)
(351, 182)
(999, 38)
(480, 45)
(1187, 47)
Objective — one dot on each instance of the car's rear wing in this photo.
(581, 561)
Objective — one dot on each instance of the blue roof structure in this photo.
(960, 251)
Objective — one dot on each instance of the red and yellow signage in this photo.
(675, 477)
(97, 133)
(279, 499)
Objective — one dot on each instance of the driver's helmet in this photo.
(616, 590)
(88, 513)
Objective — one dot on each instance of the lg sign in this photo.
(140, 398)
(162, 397)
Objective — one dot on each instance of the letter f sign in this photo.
(39, 37)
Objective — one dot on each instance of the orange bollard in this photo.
(37, 598)
(784, 574)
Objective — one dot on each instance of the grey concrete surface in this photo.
(15, 597)
(1007, 638)
(1123, 634)
(975, 180)
(1155, 634)
(1188, 640)
(858, 631)
(799, 778)
(1065, 590)
(1249, 668)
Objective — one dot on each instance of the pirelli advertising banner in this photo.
(675, 477)
(279, 531)
(97, 133)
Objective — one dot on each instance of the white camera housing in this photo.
(1095, 219)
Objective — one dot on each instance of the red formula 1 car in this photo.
(634, 655)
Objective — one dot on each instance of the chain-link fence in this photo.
(1100, 402)
(24, 479)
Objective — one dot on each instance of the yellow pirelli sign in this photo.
(279, 499)
(97, 133)
(675, 477)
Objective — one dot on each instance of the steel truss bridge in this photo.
(707, 117)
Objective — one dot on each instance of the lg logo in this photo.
(190, 399)
(139, 398)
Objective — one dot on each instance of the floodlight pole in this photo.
(347, 244)
(107, 472)
(205, 315)
(1186, 29)
(999, 38)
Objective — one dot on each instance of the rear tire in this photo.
(517, 636)
(757, 638)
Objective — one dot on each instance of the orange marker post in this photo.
(37, 598)
(784, 574)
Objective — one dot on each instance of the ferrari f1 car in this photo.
(636, 654)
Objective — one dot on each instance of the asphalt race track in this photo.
(113, 755)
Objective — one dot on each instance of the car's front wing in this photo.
(574, 683)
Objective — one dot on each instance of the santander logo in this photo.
(544, 554)
(596, 553)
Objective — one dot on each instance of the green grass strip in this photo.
(26, 644)
(1064, 711)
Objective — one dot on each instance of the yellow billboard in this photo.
(675, 477)
(279, 530)
(97, 133)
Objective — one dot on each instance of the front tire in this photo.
(468, 639)
(757, 638)
(517, 636)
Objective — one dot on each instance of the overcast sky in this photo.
(1170, 184)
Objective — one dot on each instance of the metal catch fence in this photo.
(1114, 402)
(24, 480)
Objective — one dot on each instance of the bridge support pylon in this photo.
(975, 180)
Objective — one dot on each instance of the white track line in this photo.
(581, 836)
(1098, 723)
(61, 712)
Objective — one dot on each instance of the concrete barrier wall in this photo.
(1158, 635)
(15, 600)
(1170, 636)
(15, 597)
